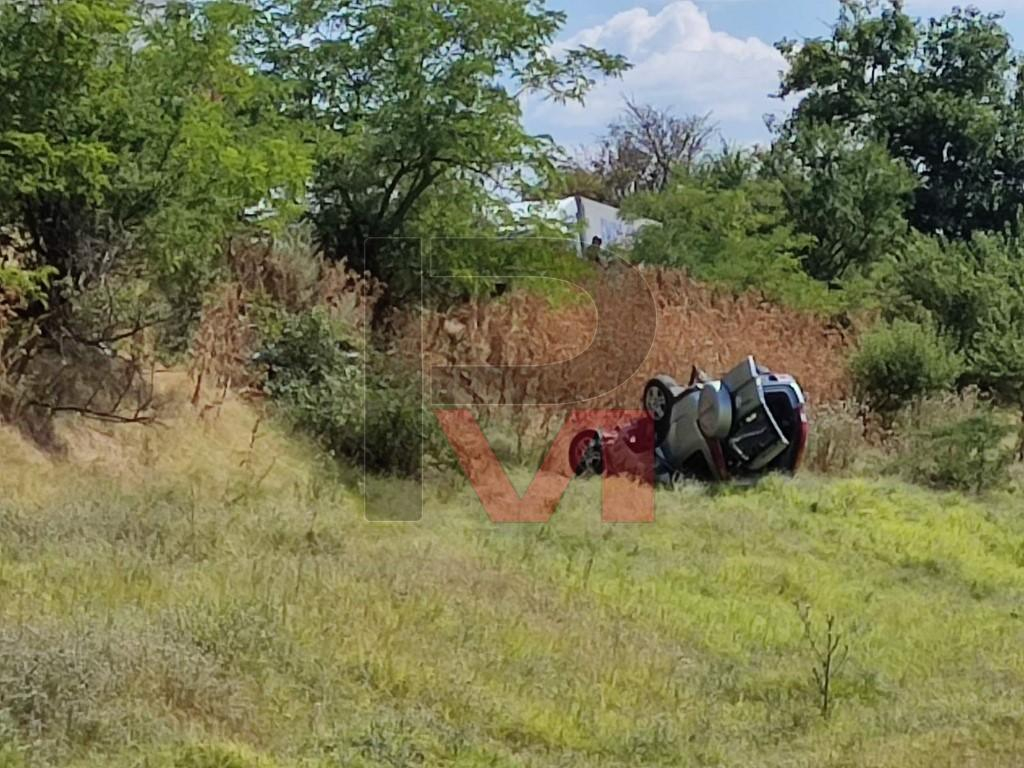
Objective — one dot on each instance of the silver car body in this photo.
(726, 422)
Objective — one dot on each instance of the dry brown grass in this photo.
(225, 340)
(697, 325)
(205, 441)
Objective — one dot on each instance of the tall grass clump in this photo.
(838, 441)
(954, 442)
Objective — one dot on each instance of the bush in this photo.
(315, 371)
(901, 361)
(971, 454)
(738, 238)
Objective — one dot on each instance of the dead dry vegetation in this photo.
(696, 325)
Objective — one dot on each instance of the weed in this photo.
(837, 438)
(829, 653)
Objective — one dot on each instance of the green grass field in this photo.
(222, 605)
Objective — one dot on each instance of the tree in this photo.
(398, 109)
(640, 153)
(734, 234)
(943, 96)
(974, 292)
(947, 282)
(131, 147)
(901, 361)
(849, 194)
(127, 141)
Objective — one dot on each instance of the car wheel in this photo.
(658, 402)
(585, 454)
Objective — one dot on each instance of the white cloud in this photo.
(679, 62)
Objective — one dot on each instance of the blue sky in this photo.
(698, 56)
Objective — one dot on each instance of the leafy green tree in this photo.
(944, 96)
(402, 97)
(738, 235)
(950, 283)
(974, 292)
(849, 194)
(134, 143)
(133, 146)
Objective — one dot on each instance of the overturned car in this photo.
(746, 424)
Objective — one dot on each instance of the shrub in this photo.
(970, 454)
(374, 413)
(738, 238)
(900, 361)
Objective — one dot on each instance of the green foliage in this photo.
(398, 110)
(974, 292)
(463, 268)
(370, 414)
(997, 351)
(23, 285)
(738, 236)
(901, 361)
(730, 168)
(936, 280)
(136, 141)
(850, 195)
(474, 247)
(231, 154)
(20, 285)
(970, 454)
(942, 95)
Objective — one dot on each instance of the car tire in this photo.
(586, 456)
(658, 400)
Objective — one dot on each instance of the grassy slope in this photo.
(229, 608)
